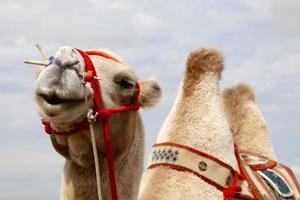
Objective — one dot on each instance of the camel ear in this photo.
(150, 93)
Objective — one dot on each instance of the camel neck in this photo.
(198, 120)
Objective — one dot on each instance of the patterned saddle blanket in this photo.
(259, 179)
(268, 179)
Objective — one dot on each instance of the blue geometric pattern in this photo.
(167, 154)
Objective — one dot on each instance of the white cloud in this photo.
(286, 16)
(145, 24)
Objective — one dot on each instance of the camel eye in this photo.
(126, 84)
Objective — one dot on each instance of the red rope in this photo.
(110, 159)
(89, 66)
(79, 127)
(231, 190)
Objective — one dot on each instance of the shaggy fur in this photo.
(199, 62)
(197, 119)
(247, 123)
(61, 80)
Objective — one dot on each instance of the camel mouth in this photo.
(53, 99)
(53, 105)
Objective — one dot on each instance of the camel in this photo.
(247, 124)
(195, 143)
(197, 119)
(60, 100)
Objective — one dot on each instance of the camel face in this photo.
(60, 94)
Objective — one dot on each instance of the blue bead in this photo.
(51, 58)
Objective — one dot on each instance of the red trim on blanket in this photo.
(184, 169)
(269, 165)
(238, 159)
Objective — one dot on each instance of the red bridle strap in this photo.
(104, 114)
(102, 54)
(89, 68)
(77, 128)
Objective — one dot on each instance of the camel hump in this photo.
(205, 60)
(240, 92)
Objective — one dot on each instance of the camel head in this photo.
(60, 94)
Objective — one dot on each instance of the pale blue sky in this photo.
(260, 40)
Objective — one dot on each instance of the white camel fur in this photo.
(60, 99)
(197, 119)
(247, 123)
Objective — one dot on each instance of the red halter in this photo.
(104, 114)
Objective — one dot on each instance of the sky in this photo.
(259, 38)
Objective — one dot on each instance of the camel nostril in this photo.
(62, 62)
(58, 62)
(66, 57)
